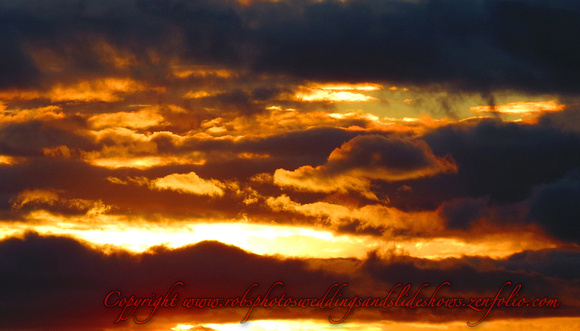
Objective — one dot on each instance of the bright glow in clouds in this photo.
(523, 108)
(7, 160)
(323, 95)
(143, 118)
(350, 87)
(337, 92)
(180, 327)
(139, 162)
(256, 238)
(265, 239)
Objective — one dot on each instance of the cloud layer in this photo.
(359, 141)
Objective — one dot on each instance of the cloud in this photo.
(35, 269)
(470, 46)
(30, 138)
(525, 108)
(189, 183)
(505, 160)
(53, 201)
(160, 115)
(143, 118)
(459, 213)
(373, 219)
(365, 158)
(555, 206)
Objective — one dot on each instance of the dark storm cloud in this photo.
(471, 45)
(35, 271)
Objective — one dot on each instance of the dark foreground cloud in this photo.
(63, 283)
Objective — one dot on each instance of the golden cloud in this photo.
(143, 118)
(189, 183)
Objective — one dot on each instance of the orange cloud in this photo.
(202, 71)
(33, 114)
(50, 199)
(389, 219)
(34, 196)
(107, 90)
(123, 147)
(8, 160)
(200, 94)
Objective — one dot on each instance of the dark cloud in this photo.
(291, 149)
(481, 46)
(367, 157)
(261, 54)
(47, 174)
(567, 120)
(397, 155)
(299, 144)
(506, 160)
(422, 193)
(555, 206)
(538, 274)
(460, 213)
(35, 271)
(551, 262)
(30, 138)
(17, 69)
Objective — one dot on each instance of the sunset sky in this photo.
(224, 143)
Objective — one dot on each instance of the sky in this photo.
(289, 165)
